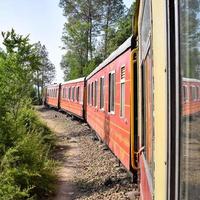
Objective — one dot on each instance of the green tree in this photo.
(79, 36)
(93, 30)
(113, 11)
(26, 172)
(18, 64)
(46, 70)
(121, 32)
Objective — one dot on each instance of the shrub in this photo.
(29, 167)
(30, 121)
(26, 170)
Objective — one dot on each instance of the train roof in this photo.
(126, 45)
(52, 85)
(74, 81)
(191, 80)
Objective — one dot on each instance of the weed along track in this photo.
(87, 169)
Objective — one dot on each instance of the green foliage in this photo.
(28, 165)
(93, 30)
(26, 168)
(46, 70)
(122, 32)
(29, 120)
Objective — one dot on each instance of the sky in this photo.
(42, 19)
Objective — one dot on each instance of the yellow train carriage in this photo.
(167, 33)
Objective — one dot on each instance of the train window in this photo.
(111, 92)
(95, 93)
(197, 92)
(69, 93)
(189, 134)
(73, 93)
(89, 94)
(66, 93)
(193, 90)
(77, 93)
(63, 93)
(185, 94)
(122, 92)
(101, 92)
(92, 93)
(80, 95)
(197, 88)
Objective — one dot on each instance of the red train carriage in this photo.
(72, 96)
(53, 95)
(190, 96)
(108, 102)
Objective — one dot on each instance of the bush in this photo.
(28, 165)
(30, 121)
(26, 169)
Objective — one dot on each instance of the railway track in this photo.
(87, 168)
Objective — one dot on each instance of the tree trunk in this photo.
(90, 28)
(106, 30)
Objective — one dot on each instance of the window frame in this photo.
(122, 81)
(88, 95)
(69, 93)
(111, 112)
(193, 93)
(103, 90)
(78, 94)
(96, 93)
(73, 93)
(185, 91)
(92, 94)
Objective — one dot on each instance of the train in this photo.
(140, 103)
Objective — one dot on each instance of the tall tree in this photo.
(18, 64)
(79, 35)
(121, 32)
(88, 23)
(113, 12)
(46, 70)
(84, 15)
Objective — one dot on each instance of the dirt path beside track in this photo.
(87, 169)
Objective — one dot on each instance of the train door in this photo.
(146, 159)
(147, 108)
(147, 132)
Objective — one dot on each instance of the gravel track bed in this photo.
(97, 174)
